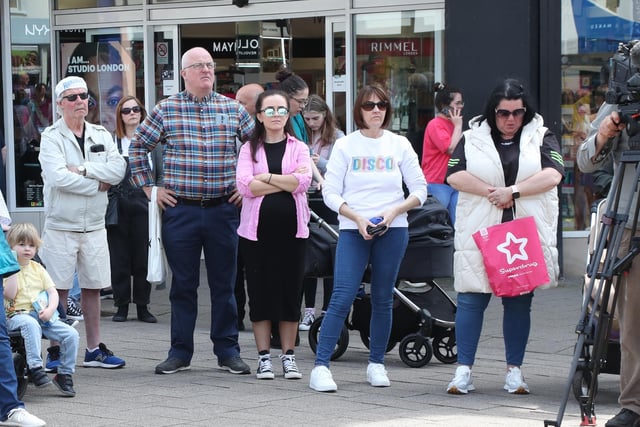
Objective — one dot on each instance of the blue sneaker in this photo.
(53, 359)
(102, 358)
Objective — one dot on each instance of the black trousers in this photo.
(128, 251)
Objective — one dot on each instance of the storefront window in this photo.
(591, 32)
(399, 51)
(32, 104)
(81, 4)
(110, 61)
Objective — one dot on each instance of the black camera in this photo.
(624, 85)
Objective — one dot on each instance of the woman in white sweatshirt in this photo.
(363, 184)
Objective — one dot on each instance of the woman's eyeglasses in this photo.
(369, 106)
(504, 114)
(301, 101)
(74, 97)
(128, 110)
(271, 112)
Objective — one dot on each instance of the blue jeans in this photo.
(516, 324)
(8, 383)
(353, 254)
(446, 195)
(186, 232)
(74, 293)
(32, 329)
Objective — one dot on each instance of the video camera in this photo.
(624, 85)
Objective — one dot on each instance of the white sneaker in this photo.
(265, 369)
(377, 375)
(514, 383)
(307, 320)
(21, 418)
(462, 382)
(321, 379)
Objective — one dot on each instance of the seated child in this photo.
(21, 314)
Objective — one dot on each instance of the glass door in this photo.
(336, 71)
(163, 57)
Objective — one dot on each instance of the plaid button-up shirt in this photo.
(199, 138)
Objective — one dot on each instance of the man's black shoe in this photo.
(625, 418)
(172, 365)
(235, 365)
(64, 384)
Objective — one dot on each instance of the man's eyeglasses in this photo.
(302, 102)
(369, 106)
(271, 112)
(74, 97)
(199, 66)
(504, 114)
(128, 110)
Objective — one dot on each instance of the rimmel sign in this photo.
(395, 47)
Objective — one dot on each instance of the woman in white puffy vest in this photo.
(506, 165)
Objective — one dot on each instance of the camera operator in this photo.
(608, 137)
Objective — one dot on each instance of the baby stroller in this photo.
(423, 315)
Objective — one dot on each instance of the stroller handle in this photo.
(324, 225)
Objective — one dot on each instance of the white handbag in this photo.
(157, 263)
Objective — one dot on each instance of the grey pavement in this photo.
(205, 395)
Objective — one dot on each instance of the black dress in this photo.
(274, 264)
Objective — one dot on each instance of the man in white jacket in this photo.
(79, 163)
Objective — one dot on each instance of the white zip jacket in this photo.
(72, 202)
(473, 212)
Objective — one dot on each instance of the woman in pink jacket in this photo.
(273, 175)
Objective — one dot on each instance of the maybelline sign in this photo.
(242, 47)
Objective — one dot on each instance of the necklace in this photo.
(267, 141)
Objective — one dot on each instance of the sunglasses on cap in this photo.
(504, 114)
(271, 112)
(128, 110)
(369, 106)
(74, 97)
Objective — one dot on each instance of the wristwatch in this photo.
(514, 192)
(82, 170)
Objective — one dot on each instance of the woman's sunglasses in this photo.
(74, 97)
(504, 114)
(271, 112)
(128, 110)
(369, 106)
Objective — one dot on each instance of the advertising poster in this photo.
(109, 71)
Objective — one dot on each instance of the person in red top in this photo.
(440, 139)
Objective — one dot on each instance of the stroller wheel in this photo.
(444, 347)
(20, 366)
(415, 350)
(364, 336)
(582, 383)
(341, 345)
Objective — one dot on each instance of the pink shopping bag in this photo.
(512, 256)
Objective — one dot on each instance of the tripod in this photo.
(604, 270)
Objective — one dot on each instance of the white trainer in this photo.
(20, 417)
(377, 375)
(462, 382)
(514, 382)
(321, 379)
(307, 320)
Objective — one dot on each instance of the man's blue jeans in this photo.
(353, 254)
(446, 195)
(187, 231)
(516, 324)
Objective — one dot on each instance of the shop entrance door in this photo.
(338, 96)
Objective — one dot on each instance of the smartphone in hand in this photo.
(376, 229)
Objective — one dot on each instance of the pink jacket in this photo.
(296, 154)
